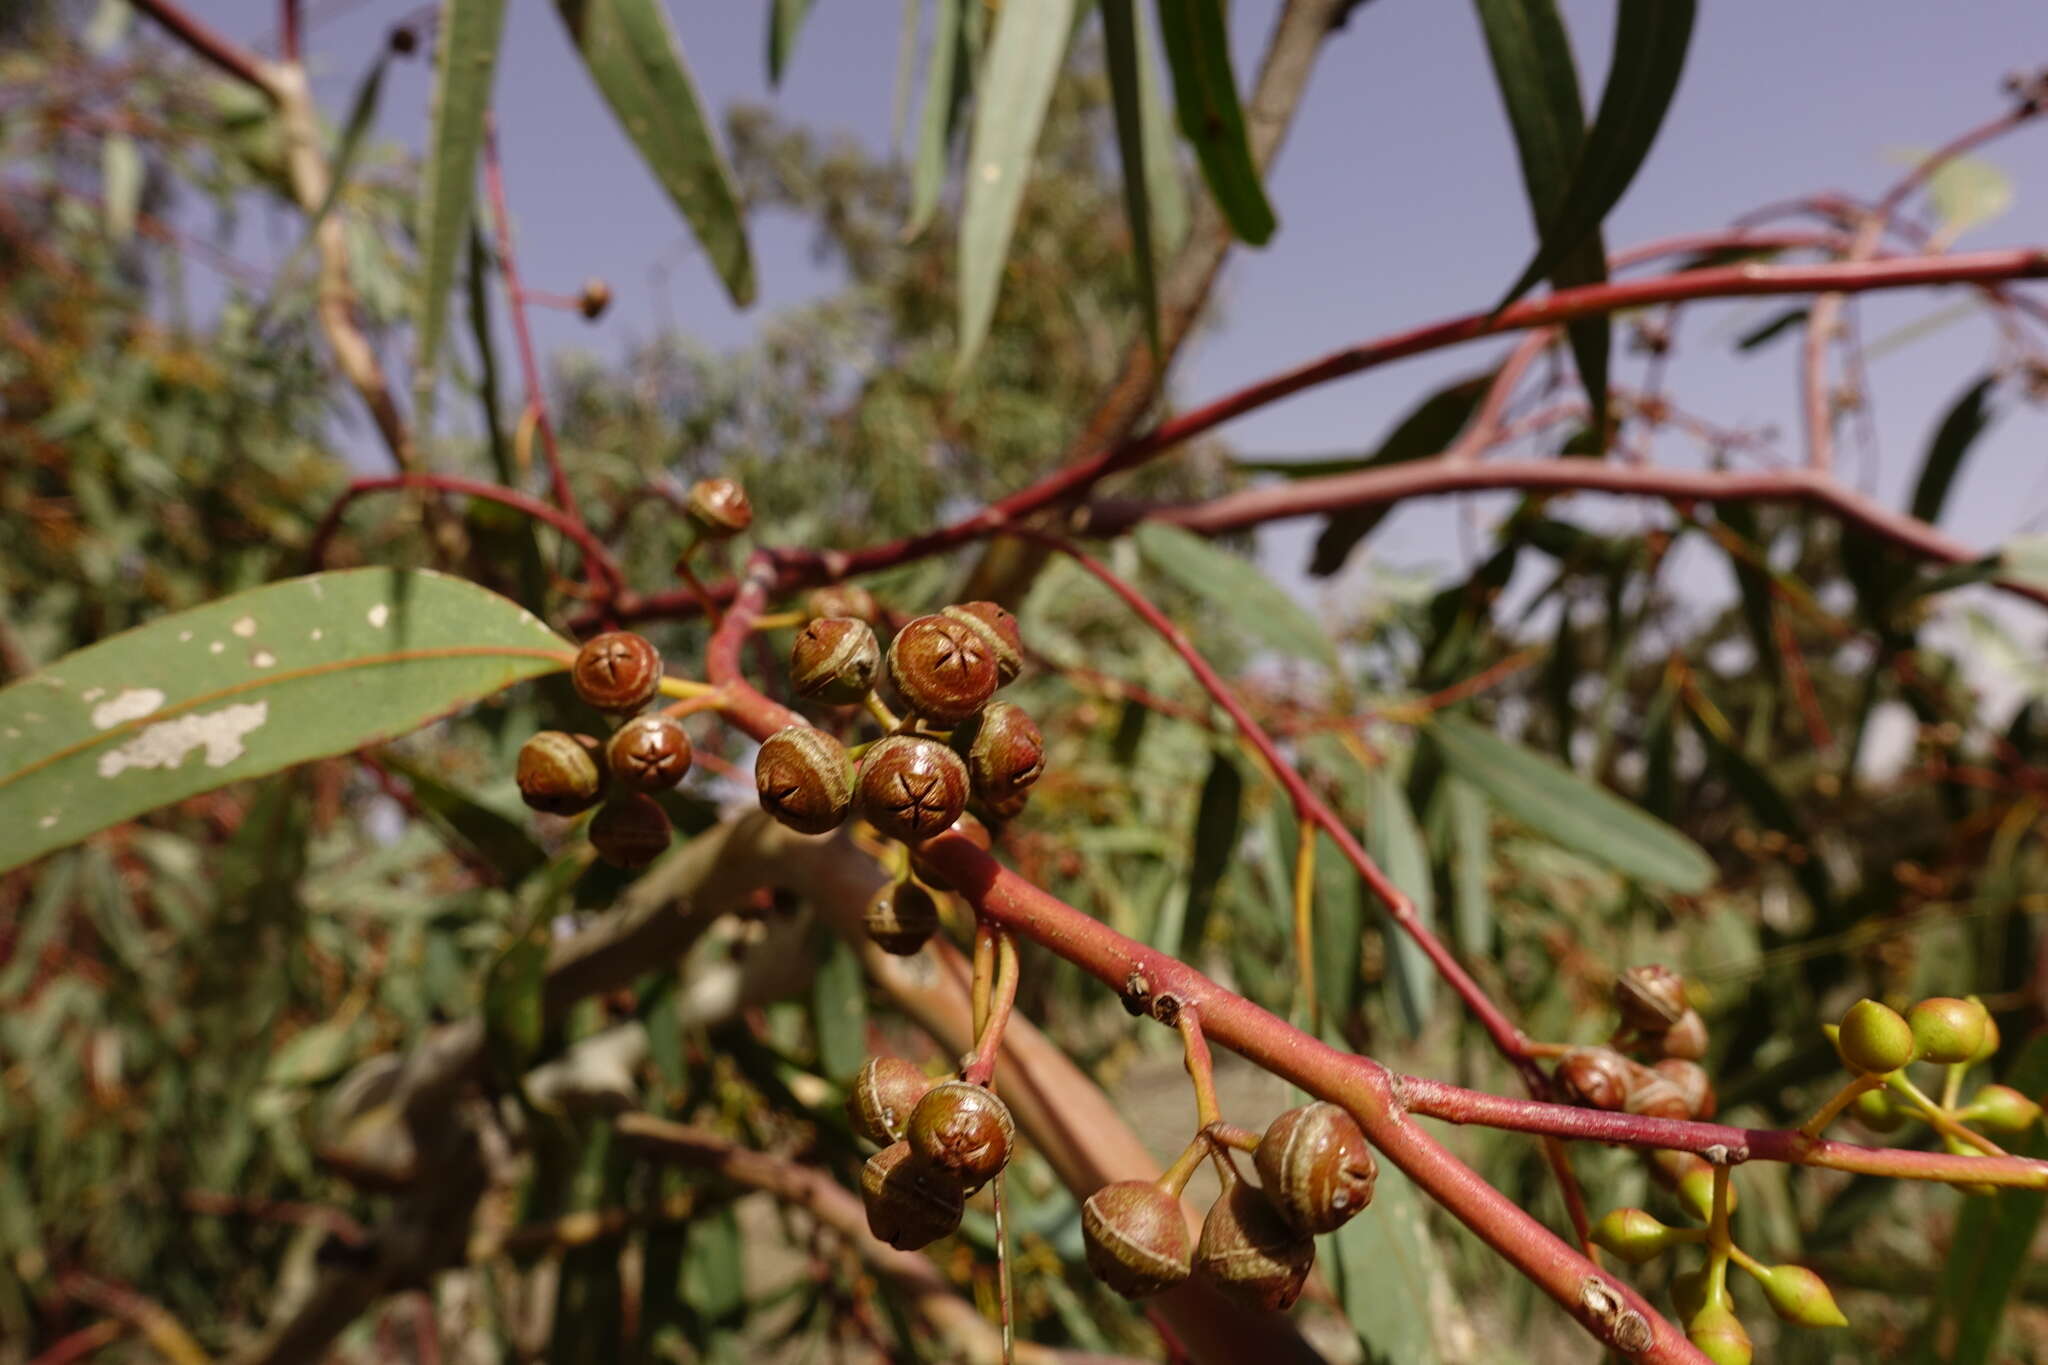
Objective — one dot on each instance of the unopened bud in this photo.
(1799, 1296)
(1635, 1236)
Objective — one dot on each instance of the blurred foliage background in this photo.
(178, 997)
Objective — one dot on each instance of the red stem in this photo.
(508, 264)
(209, 43)
(1376, 487)
(1510, 1040)
(594, 552)
(803, 568)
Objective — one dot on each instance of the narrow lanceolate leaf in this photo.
(1120, 43)
(1197, 38)
(1471, 830)
(1164, 186)
(945, 86)
(1218, 817)
(1650, 40)
(247, 685)
(466, 57)
(1580, 815)
(785, 20)
(1236, 587)
(1395, 843)
(633, 56)
(1989, 1249)
(1960, 427)
(839, 1010)
(1390, 1276)
(1016, 84)
(1771, 328)
(1539, 85)
(1428, 429)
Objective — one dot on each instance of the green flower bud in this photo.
(1718, 1334)
(1634, 1236)
(1875, 1038)
(1878, 1110)
(2001, 1109)
(1947, 1030)
(1696, 1192)
(1689, 1293)
(1989, 1048)
(1799, 1296)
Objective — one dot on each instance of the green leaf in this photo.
(1650, 41)
(466, 57)
(1212, 849)
(246, 685)
(1965, 190)
(1389, 1275)
(785, 20)
(514, 1005)
(1339, 919)
(1539, 85)
(500, 840)
(839, 1010)
(314, 1054)
(1990, 1246)
(1569, 810)
(1197, 39)
(1395, 843)
(1960, 427)
(1771, 328)
(1430, 428)
(1022, 66)
(1127, 94)
(945, 87)
(1238, 588)
(633, 56)
(121, 175)
(1471, 830)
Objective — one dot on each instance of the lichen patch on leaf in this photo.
(379, 614)
(167, 743)
(133, 704)
(244, 626)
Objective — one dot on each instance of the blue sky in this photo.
(1397, 192)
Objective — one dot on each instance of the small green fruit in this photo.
(2001, 1109)
(1875, 1038)
(1634, 1236)
(1718, 1334)
(1799, 1296)
(1948, 1031)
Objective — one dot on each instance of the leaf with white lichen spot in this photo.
(244, 686)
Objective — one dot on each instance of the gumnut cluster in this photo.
(1257, 1243)
(1878, 1045)
(1651, 1066)
(619, 673)
(957, 743)
(941, 1142)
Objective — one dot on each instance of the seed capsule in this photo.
(884, 1094)
(834, 659)
(649, 753)
(1248, 1251)
(559, 773)
(1004, 751)
(1686, 1039)
(1595, 1077)
(901, 918)
(1135, 1238)
(1947, 1031)
(1653, 1096)
(1875, 1038)
(1650, 997)
(804, 778)
(1693, 1085)
(1315, 1167)
(944, 671)
(912, 787)
(843, 599)
(618, 671)
(910, 1204)
(719, 507)
(630, 830)
(998, 630)
(595, 297)
(964, 1129)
